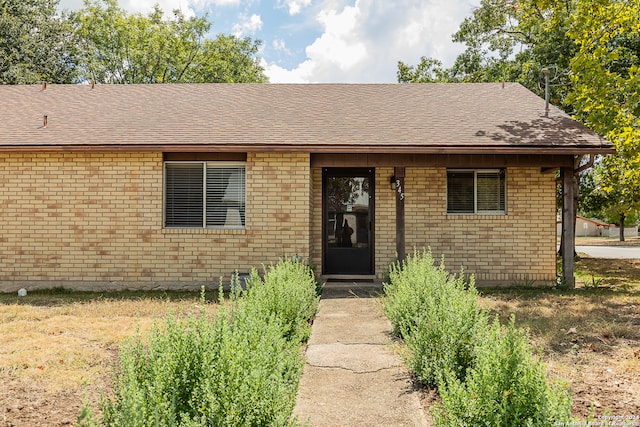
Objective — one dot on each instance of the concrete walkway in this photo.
(353, 376)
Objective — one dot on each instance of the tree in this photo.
(607, 204)
(35, 43)
(514, 40)
(121, 48)
(606, 95)
(429, 70)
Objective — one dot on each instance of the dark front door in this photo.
(348, 221)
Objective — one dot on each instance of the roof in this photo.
(594, 221)
(400, 118)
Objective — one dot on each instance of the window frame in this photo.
(475, 172)
(205, 164)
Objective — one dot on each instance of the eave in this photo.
(316, 148)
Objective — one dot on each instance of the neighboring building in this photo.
(586, 227)
(173, 186)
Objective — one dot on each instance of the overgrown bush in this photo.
(287, 291)
(436, 313)
(507, 386)
(240, 368)
(486, 375)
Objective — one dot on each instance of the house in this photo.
(587, 227)
(173, 186)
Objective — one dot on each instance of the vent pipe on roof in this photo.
(44, 121)
(545, 71)
(93, 84)
(44, 85)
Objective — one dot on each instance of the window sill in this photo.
(215, 231)
(477, 216)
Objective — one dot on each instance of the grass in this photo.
(589, 336)
(606, 241)
(52, 343)
(618, 275)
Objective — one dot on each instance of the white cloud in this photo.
(295, 6)
(277, 74)
(364, 40)
(338, 49)
(340, 44)
(249, 25)
(280, 46)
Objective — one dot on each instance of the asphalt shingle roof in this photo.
(409, 118)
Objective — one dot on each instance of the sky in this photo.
(330, 41)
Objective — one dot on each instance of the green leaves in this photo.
(437, 315)
(103, 43)
(606, 94)
(429, 70)
(508, 40)
(35, 43)
(116, 47)
(506, 386)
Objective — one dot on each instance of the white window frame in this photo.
(206, 165)
(476, 211)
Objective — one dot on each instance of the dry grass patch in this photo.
(53, 343)
(607, 241)
(589, 337)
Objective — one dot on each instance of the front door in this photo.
(348, 221)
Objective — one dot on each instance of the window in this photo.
(204, 194)
(476, 191)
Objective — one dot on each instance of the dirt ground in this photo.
(30, 403)
(59, 349)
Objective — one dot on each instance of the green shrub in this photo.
(486, 376)
(436, 313)
(505, 387)
(240, 368)
(287, 291)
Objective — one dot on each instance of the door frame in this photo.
(328, 172)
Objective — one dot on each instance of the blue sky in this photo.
(330, 41)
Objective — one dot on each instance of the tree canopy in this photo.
(103, 43)
(116, 47)
(606, 95)
(35, 43)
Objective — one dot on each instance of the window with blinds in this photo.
(476, 191)
(204, 194)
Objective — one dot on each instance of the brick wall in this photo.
(385, 223)
(94, 221)
(316, 220)
(515, 247)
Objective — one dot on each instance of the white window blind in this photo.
(476, 191)
(204, 194)
(490, 191)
